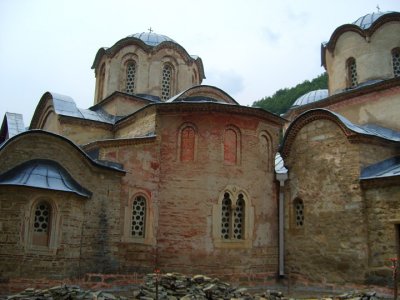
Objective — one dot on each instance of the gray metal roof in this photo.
(310, 97)
(152, 38)
(279, 164)
(366, 21)
(370, 129)
(15, 124)
(43, 174)
(65, 105)
(387, 168)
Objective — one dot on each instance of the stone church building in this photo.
(165, 173)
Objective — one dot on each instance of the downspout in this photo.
(281, 177)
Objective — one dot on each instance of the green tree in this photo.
(283, 99)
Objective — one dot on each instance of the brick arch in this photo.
(187, 144)
(307, 118)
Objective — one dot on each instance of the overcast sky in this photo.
(249, 48)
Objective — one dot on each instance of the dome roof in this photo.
(366, 21)
(310, 97)
(152, 38)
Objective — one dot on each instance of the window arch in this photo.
(41, 224)
(138, 221)
(265, 143)
(42, 228)
(166, 81)
(231, 145)
(138, 218)
(102, 76)
(233, 218)
(352, 76)
(298, 208)
(187, 143)
(232, 228)
(396, 62)
(130, 77)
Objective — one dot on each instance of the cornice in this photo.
(345, 96)
(182, 107)
(84, 122)
(118, 142)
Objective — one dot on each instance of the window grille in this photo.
(166, 82)
(396, 62)
(238, 218)
(42, 218)
(138, 216)
(226, 216)
(299, 213)
(130, 78)
(352, 70)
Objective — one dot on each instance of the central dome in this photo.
(366, 21)
(151, 38)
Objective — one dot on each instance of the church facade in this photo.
(165, 173)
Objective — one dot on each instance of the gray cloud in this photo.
(229, 81)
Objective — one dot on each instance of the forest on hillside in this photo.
(283, 99)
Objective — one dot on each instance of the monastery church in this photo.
(163, 172)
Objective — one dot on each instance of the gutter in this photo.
(281, 177)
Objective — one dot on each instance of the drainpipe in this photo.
(281, 177)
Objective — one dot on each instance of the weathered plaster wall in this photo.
(372, 54)
(190, 194)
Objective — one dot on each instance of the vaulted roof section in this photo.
(43, 174)
(204, 93)
(353, 132)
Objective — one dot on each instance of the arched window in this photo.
(138, 217)
(352, 73)
(188, 138)
(41, 224)
(230, 146)
(396, 62)
(166, 79)
(226, 216)
(298, 213)
(232, 228)
(130, 77)
(102, 76)
(238, 223)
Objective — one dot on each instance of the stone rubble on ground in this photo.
(172, 286)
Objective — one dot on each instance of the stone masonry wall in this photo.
(331, 245)
(383, 215)
(87, 229)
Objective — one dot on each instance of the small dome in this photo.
(311, 97)
(151, 38)
(366, 21)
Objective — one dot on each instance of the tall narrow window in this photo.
(396, 62)
(352, 73)
(101, 82)
(138, 217)
(239, 218)
(166, 82)
(130, 77)
(188, 136)
(226, 217)
(299, 213)
(41, 224)
(230, 147)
